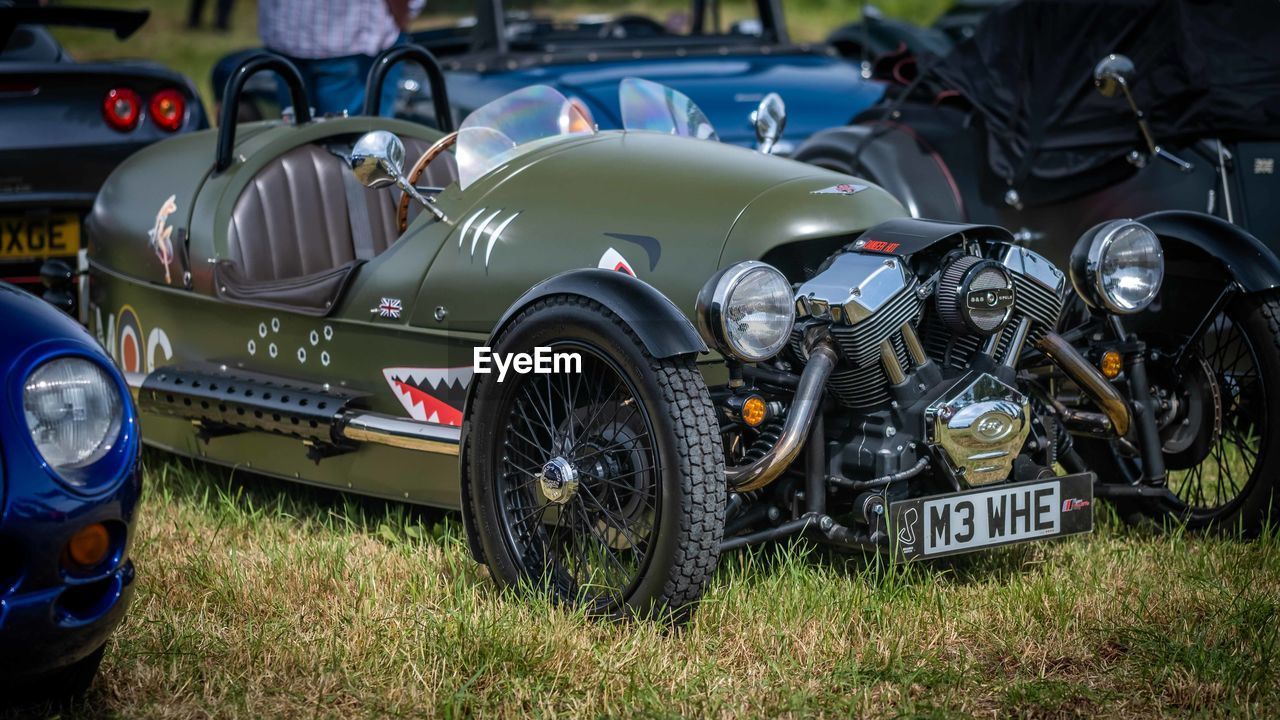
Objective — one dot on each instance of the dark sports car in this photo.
(64, 126)
(69, 487)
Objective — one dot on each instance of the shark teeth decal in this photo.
(433, 395)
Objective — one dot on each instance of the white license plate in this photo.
(987, 517)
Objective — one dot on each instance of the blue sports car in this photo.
(724, 65)
(69, 487)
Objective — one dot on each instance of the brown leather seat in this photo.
(293, 219)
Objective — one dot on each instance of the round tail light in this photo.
(122, 108)
(168, 109)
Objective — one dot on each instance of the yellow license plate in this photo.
(39, 236)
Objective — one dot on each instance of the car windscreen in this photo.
(512, 125)
(651, 107)
(539, 26)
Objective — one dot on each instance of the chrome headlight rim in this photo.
(716, 295)
(1087, 260)
(100, 472)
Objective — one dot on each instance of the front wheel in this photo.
(602, 482)
(1219, 423)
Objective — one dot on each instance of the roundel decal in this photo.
(131, 349)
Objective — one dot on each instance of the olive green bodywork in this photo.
(703, 204)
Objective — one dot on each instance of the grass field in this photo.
(258, 598)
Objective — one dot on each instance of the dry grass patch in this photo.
(258, 598)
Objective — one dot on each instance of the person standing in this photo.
(333, 43)
(221, 15)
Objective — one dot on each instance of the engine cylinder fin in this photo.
(1039, 302)
(860, 344)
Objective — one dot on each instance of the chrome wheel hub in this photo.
(558, 480)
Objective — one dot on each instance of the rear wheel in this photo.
(604, 487)
(1219, 422)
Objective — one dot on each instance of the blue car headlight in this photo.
(74, 412)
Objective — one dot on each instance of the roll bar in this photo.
(435, 78)
(231, 99)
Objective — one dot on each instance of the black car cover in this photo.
(1203, 69)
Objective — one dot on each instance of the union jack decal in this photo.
(388, 308)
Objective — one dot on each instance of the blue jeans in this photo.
(335, 85)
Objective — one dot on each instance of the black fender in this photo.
(1241, 255)
(664, 330)
(892, 156)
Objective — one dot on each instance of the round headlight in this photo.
(746, 311)
(73, 410)
(1119, 266)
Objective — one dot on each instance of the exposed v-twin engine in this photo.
(928, 347)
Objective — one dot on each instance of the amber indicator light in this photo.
(1110, 364)
(89, 546)
(753, 410)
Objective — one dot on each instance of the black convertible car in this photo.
(64, 126)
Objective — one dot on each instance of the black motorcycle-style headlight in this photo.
(1118, 266)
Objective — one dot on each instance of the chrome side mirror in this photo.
(1113, 74)
(769, 119)
(377, 159)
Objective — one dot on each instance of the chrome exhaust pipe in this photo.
(805, 406)
(372, 427)
(1090, 380)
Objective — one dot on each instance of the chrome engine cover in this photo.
(852, 288)
(980, 428)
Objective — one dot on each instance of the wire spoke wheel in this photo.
(1224, 381)
(579, 479)
(602, 483)
(1217, 418)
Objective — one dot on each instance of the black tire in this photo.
(1225, 478)
(648, 506)
(833, 153)
(61, 687)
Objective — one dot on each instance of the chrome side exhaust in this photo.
(1090, 380)
(808, 400)
(371, 427)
